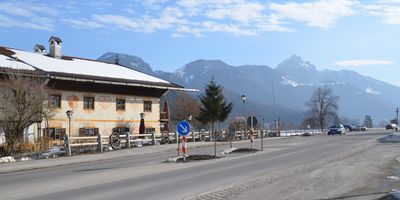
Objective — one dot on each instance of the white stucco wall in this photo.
(104, 116)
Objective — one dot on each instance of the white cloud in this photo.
(359, 63)
(322, 13)
(211, 26)
(177, 35)
(244, 12)
(27, 15)
(197, 32)
(83, 23)
(116, 21)
(389, 10)
(35, 23)
(188, 17)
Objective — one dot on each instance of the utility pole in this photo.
(273, 101)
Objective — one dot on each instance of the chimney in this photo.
(55, 47)
(39, 49)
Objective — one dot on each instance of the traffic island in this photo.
(244, 150)
(197, 158)
(392, 138)
(191, 158)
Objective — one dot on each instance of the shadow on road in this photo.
(95, 169)
(362, 195)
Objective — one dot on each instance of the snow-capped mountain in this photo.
(293, 81)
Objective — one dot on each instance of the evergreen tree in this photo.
(213, 107)
(368, 121)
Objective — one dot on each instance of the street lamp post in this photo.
(262, 135)
(69, 115)
(189, 118)
(244, 99)
(397, 119)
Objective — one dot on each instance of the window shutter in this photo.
(45, 132)
(96, 131)
(81, 132)
(62, 133)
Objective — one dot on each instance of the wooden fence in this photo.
(132, 140)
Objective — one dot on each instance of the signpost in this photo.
(232, 135)
(183, 129)
(251, 121)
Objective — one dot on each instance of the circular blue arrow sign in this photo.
(183, 128)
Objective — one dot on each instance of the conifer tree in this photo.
(213, 107)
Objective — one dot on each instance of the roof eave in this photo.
(145, 85)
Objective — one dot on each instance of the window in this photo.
(147, 106)
(120, 104)
(88, 132)
(88, 103)
(55, 101)
(54, 133)
(121, 130)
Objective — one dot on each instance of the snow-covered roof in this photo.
(8, 62)
(83, 67)
(71, 66)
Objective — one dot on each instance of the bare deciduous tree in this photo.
(323, 104)
(183, 106)
(23, 102)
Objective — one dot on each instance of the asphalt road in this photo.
(147, 177)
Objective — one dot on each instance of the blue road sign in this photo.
(183, 128)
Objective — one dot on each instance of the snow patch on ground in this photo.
(393, 178)
(287, 81)
(188, 79)
(172, 160)
(227, 151)
(369, 90)
(7, 159)
(180, 72)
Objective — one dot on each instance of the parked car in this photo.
(349, 127)
(336, 129)
(361, 128)
(391, 126)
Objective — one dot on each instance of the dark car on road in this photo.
(336, 129)
(391, 126)
(349, 127)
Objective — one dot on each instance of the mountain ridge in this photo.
(294, 81)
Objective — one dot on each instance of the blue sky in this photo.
(332, 34)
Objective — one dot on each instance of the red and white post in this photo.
(184, 148)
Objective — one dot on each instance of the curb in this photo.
(62, 161)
